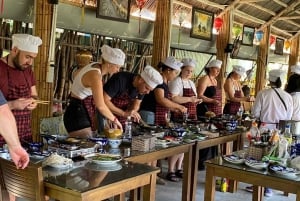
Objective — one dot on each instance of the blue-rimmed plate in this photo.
(233, 159)
(256, 164)
(283, 171)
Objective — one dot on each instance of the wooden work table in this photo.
(87, 184)
(259, 178)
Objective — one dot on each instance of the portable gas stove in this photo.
(73, 150)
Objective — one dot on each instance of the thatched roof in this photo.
(282, 15)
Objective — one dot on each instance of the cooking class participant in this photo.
(208, 90)
(212, 101)
(156, 105)
(183, 90)
(124, 91)
(270, 106)
(8, 131)
(293, 88)
(87, 94)
(17, 81)
(233, 90)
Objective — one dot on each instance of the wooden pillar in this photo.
(42, 28)
(162, 31)
(262, 60)
(294, 53)
(222, 40)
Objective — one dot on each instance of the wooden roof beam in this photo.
(282, 12)
(289, 18)
(230, 7)
(248, 17)
(250, 1)
(294, 36)
(209, 3)
(280, 3)
(293, 23)
(282, 31)
(261, 8)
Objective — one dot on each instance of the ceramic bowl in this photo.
(100, 140)
(114, 143)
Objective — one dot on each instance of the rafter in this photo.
(280, 3)
(294, 36)
(282, 12)
(293, 23)
(248, 17)
(289, 18)
(261, 8)
(229, 7)
(209, 3)
(282, 31)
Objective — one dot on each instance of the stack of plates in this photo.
(255, 164)
(233, 159)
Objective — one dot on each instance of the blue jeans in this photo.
(147, 116)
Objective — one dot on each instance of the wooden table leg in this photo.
(149, 190)
(120, 197)
(298, 195)
(258, 193)
(210, 184)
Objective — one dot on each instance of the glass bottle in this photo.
(128, 129)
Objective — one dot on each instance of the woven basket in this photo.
(257, 151)
(143, 143)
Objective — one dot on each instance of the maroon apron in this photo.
(233, 107)
(160, 113)
(122, 102)
(89, 105)
(191, 107)
(23, 117)
(217, 109)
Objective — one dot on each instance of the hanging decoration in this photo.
(140, 4)
(82, 11)
(272, 40)
(236, 29)
(259, 35)
(218, 22)
(181, 17)
(287, 44)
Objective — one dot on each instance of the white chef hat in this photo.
(172, 63)
(295, 69)
(113, 55)
(239, 69)
(214, 63)
(151, 76)
(26, 42)
(275, 74)
(189, 62)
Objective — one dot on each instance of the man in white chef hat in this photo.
(272, 105)
(124, 92)
(17, 81)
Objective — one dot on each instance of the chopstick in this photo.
(41, 102)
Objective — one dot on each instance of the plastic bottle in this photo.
(128, 129)
(287, 134)
(224, 185)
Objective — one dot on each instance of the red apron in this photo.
(160, 113)
(233, 107)
(217, 109)
(122, 102)
(191, 107)
(89, 105)
(23, 117)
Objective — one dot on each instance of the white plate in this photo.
(60, 166)
(114, 159)
(233, 159)
(97, 167)
(283, 171)
(255, 164)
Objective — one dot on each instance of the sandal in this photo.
(171, 176)
(179, 173)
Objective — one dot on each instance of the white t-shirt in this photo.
(269, 108)
(296, 105)
(176, 86)
(77, 87)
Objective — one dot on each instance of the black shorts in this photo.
(76, 116)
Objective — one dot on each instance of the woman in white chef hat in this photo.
(233, 90)
(87, 94)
